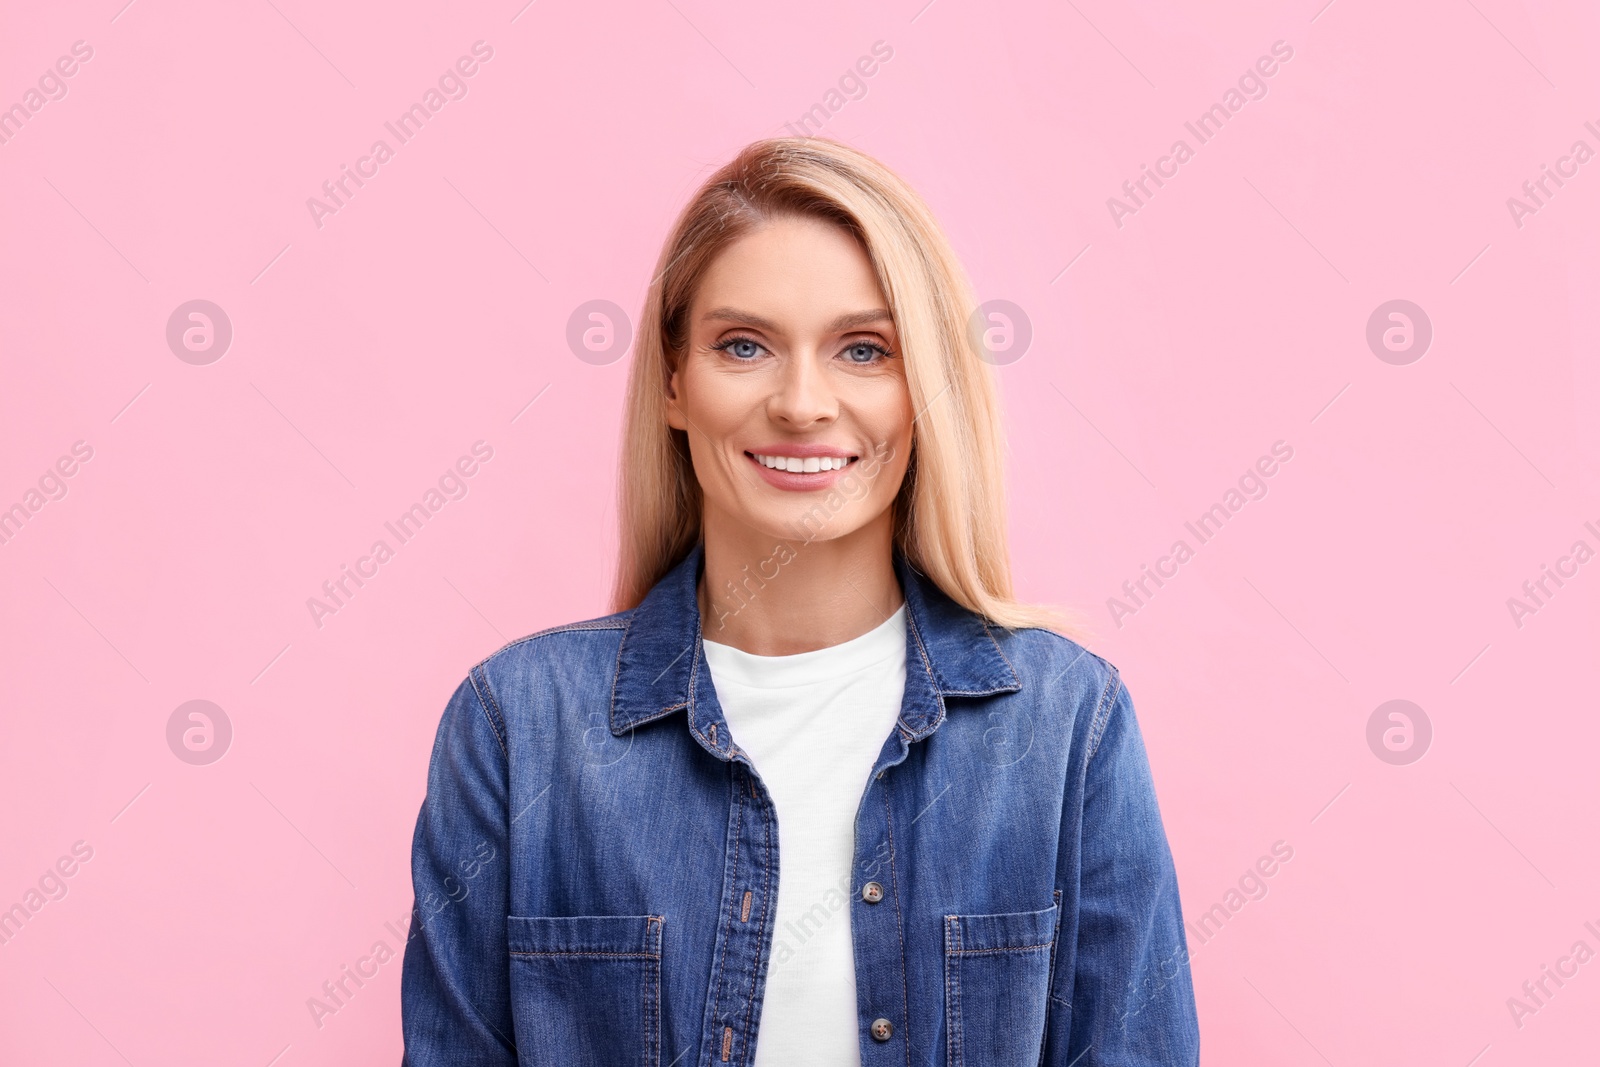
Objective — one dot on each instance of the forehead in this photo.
(792, 271)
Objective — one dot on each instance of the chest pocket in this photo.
(997, 986)
(587, 988)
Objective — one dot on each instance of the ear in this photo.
(670, 404)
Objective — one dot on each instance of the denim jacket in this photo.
(596, 860)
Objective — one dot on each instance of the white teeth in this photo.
(809, 465)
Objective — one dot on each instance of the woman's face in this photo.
(792, 388)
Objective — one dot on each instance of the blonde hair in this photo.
(950, 511)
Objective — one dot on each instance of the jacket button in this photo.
(872, 892)
(882, 1029)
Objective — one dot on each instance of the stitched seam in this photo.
(938, 687)
(491, 718)
(694, 679)
(949, 1036)
(956, 1049)
(1096, 730)
(651, 716)
(1102, 713)
(586, 954)
(990, 634)
(569, 628)
(999, 951)
(616, 675)
(652, 998)
(899, 928)
(746, 1047)
(1050, 976)
(722, 963)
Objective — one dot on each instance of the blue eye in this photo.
(740, 348)
(864, 352)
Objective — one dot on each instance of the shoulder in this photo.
(570, 644)
(1062, 674)
(495, 694)
(1044, 657)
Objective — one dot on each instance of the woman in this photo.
(814, 655)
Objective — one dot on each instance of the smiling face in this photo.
(792, 389)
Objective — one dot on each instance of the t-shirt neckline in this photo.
(880, 644)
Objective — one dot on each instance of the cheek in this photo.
(721, 399)
(721, 410)
(887, 424)
(713, 407)
(897, 436)
(882, 473)
(709, 458)
(882, 407)
(894, 475)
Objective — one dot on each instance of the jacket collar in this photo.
(950, 651)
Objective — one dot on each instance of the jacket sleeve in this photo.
(455, 1001)
(1132, 997)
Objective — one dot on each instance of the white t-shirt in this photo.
(813, 725)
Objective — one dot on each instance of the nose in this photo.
(803, 394)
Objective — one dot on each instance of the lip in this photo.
(797, 481)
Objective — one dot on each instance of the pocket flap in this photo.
(584, 935)
(1012, 931)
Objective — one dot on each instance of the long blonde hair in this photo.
(950, 511)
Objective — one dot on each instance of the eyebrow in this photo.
(843, 322)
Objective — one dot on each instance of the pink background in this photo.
(1168, 354)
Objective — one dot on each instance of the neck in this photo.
(776, 597)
